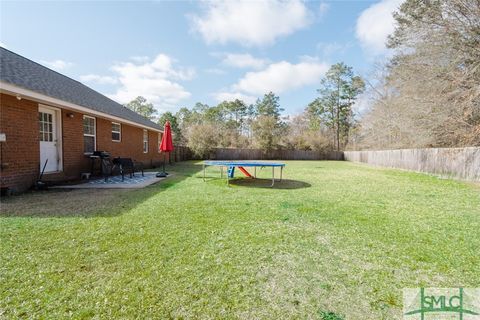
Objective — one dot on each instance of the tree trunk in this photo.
(337, 120)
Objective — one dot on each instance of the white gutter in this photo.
(29, 94)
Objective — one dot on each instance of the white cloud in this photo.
(322, 9)
(95, 78)
(216, 71)
(231, 96)
(282, 76)
(156, 80)
(328, 49)
(58, 65)
(243, 60)
(375, 24)
(250, 23)
(140, 59)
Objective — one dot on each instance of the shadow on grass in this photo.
(285, 184)
(89, 203)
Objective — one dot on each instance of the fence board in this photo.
(257, 154)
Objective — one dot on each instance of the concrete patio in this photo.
(116, 182)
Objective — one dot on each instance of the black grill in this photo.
(101, 154)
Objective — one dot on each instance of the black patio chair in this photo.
(123, 165)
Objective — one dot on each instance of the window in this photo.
(145, 141)
(116, 132)
(88, 134)
(46, 126)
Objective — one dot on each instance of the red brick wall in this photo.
(74, 161)
(21, 153)
(131, 144)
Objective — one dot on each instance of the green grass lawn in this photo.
(336, 240)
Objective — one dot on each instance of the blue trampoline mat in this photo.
(243, 164)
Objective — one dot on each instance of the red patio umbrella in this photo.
(166, 146)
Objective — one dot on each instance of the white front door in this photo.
(49, 146)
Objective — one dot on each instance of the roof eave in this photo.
(11, 89)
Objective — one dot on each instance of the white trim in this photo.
(90, 135)
(41, 98)
(119, 132)
(59, 134)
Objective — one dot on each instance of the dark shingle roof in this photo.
(22, 72)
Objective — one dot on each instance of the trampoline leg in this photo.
(203, 173)
(281, 173)
(273, 176)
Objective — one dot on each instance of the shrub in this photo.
(202, 139)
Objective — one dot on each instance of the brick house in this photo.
(46, 115)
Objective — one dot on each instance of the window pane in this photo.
(88, 126)
(88, 144)
(115, 136)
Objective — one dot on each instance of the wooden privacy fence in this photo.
(257, 154)
(181, 153)
(459, 163)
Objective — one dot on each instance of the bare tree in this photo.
(430, 95)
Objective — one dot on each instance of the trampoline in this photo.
(241, 165)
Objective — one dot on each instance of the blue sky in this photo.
(177, 53)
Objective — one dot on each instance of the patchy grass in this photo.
(335, 241)
(65, 202)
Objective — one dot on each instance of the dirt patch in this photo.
(56, 202)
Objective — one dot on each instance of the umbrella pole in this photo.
(162, 174)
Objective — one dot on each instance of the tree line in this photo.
(325, 124)
(428, 93)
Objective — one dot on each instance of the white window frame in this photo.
(145, 142)
(119, 132)
(91, 135)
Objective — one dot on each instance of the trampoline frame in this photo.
(254, 164)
